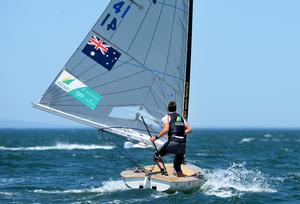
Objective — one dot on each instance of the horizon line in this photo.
(196, 128)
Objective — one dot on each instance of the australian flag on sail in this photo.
(101, 52)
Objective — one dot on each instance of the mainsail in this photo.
(134, 60)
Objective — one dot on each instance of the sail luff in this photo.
(188, 63)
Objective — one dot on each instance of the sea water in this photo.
(79, 166)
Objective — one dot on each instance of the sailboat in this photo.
(134, 60)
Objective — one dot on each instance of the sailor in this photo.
(177, 128)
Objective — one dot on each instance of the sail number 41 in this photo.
(118, 7)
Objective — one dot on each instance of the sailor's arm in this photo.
(164, 131)
(188, 129)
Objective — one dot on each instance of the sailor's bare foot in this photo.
(180, 174)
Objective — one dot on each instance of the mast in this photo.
(188, 63)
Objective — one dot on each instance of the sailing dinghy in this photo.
(137, 178)
(134, 60)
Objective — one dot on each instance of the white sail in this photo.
(134, 60)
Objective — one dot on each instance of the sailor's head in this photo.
(172, 106)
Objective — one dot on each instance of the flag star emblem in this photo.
(93, 53)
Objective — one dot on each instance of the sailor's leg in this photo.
(178, 160)
(157, 156)
(157, 159)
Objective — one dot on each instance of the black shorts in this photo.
(172, 147)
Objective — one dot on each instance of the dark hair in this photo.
(172, 106)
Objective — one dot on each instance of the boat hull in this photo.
(171, 183)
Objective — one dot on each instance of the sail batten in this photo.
(132, 63)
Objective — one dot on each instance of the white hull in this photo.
(171, 183)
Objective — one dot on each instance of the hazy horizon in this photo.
(17, 124)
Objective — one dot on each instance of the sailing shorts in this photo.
(173, 147)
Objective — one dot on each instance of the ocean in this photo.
(79, 166)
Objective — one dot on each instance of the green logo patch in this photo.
(68, 81)
(87, 96)
(78, 90)
(178, 119)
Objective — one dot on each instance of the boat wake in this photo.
(58, 146)
(107, 187)
(235, 181)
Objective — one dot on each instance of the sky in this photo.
(245, 60)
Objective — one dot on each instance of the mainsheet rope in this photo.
(120, 152)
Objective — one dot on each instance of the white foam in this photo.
(58, 146)
(246, 140)
(6, 193)
(129, 145)
(111, 186)
(235, 181)
(108, 186)
(158, 195)
(201, 154)
(267, 135)
(113, 202)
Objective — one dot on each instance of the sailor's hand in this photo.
(152, 139)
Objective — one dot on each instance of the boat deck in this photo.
(186, 169)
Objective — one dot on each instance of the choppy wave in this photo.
(58, 146)
(201, 154)
(234, 181)
(129, 145)
(6, 193)
(246, 140)
(153, 198)
(107, 186)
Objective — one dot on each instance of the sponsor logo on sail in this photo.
(78, 90)
(68, 80)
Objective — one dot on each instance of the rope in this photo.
(121, 153)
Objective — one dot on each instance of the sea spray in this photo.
(234, 181)
(107, 186)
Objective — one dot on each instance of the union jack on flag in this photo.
(99, 44)
(101, 52)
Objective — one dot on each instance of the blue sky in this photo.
(245, 62)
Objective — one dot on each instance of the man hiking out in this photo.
(177, 128)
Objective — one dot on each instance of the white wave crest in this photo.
(58, 146)
(6, 193)
(246, 140)
(235, 181)
(108, 186)
(129, 145)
